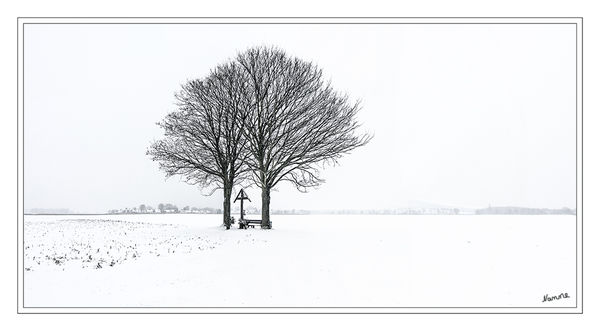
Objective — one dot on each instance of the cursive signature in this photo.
(555, 297)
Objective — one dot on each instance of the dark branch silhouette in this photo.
(264, 114)
(294, 121)
(202, 141)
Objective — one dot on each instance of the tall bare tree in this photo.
(203, 142)
(294, 121)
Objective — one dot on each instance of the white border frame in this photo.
(304, 20)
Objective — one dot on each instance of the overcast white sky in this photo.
(463, 115)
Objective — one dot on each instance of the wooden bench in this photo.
(245, 223)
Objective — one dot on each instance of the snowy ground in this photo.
(305, 261)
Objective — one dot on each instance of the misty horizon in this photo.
(253, 209)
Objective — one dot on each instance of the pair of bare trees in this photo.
(264, 118)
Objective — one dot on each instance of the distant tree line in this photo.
(165, 208)
(49, 211)
(524, 211)
(398, 211)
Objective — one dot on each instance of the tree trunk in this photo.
(266, 201)
(227, 207)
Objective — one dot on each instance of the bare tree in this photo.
(294, 121)
(203, 143)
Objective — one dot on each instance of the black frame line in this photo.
(21, 87)
(582, 89)
(299, 17)
(18, 163)
(295, 23)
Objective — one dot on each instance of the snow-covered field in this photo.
(305, 261)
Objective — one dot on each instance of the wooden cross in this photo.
(242, 196)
